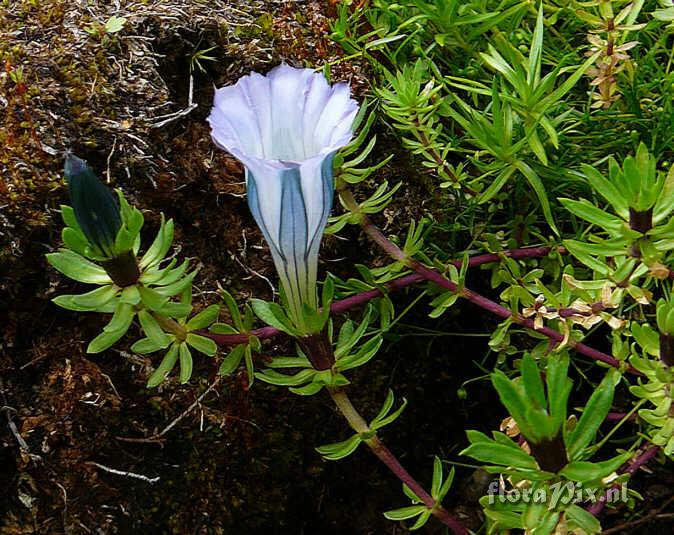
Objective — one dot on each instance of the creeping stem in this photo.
(359, 425)
(434, 276)
(631, 467)
(171, 326)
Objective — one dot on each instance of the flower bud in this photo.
(95, 207)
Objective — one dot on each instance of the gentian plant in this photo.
(556, 450)
(102, 241)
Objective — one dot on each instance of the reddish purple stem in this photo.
(629, 468)
(390, 460)
(352, 301)
(617, 416)
(518, 254)
(337, 307)
(503, 312)
(424, 273)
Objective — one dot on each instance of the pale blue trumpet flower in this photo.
(285, 128)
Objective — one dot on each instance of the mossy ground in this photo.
(243, 461)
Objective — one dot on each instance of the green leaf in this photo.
(204, 318)
(568, 84)
(171, 290)
(386, 407)
(513, 398)
(231, 362)
(504, 519)
(475, 437)
(69, 302)
(130, 295)
(499, 64)
(114, 330)
(69, 218)
(77, 267)
(114, 24)
(132, 222)
(162, 371)
(533, 384)
(665, 203)
(536, 51)
(248, 358)
(497, 184)
(348, 337)
(539, 189)
(364, 354)
(339, 450)
(151, 298)
(593, 416)
(539, 520)
(586, 253)
(165, 276)
(421, 521)
(160, 245)
(233, 310)
(444, 489)
(152, 329)
(500, 454)
(185, 363)
(584, 471)
(313, 319)
(580, 518)
(442, 302)
(121, 319)
(381, 419)
(589, 212)
(202, 344)
(175, 310)
(75, 240)
(559, 387)
(606, 189)
(436, 482)
(405, 513)
(280, 379)
(144, 346)
(222, 328)
(96, 298)
(289, 362)
(104, 340)
(327, 295)
(307, 390)
(272, 314)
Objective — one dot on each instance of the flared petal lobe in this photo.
(286, 128)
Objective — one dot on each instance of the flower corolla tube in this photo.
(285, 128)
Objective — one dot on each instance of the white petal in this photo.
(317, 94)
(333, 128)
(287, 102)
(290, 115)
(317, 190)
(234, 123)
(267, 181)
(257, 91)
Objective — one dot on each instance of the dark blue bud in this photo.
(95, 207)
